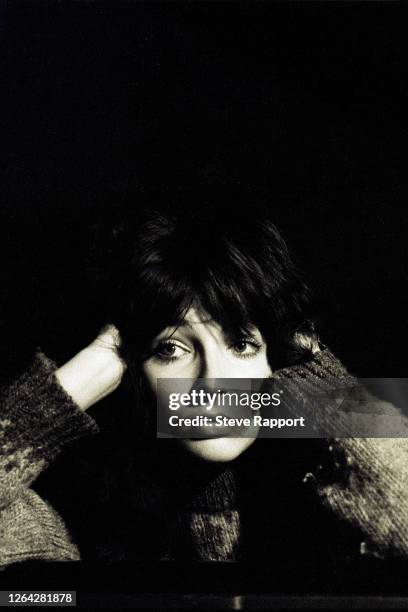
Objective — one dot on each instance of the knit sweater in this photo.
(359, 481)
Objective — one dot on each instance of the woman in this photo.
(190, 297)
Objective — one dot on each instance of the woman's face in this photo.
(199, 348)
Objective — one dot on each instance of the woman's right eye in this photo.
(169, 351)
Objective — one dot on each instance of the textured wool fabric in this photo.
(369, 481)
(364, 480)
(215, 536)
(37, 419)
(209, 525)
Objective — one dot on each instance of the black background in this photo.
(299, 101)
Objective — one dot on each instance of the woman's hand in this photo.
(94, 372)
(307, 341)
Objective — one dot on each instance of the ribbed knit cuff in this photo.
(323, 373)
(334, 402)
(38, 414)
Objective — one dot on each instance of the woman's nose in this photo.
(213, 365)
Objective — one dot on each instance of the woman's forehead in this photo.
(196, 316)
(196, 319)
(193, 319)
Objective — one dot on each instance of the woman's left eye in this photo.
(246, 347)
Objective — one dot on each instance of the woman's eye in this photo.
(241, 346)
(168, 351)
(246, 347)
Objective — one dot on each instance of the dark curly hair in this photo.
(235, 266)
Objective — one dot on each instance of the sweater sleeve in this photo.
(37, 418)
(363, 480)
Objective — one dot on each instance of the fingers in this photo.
(109, 337)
